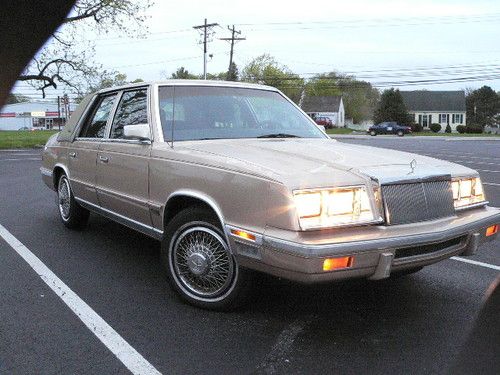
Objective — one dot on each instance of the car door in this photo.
(82, 152)
(123, 164)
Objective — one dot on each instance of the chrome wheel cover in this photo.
(64, 198)
(201, 263)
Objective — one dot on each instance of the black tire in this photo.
(406, 272)
(373, 133)
(190, 267)
(400, 133)
(71, 213)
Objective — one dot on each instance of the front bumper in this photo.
(377, 250)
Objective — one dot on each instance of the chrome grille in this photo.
(406, 203)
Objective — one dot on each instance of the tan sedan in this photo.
(233, 178)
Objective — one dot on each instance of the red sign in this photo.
(51, 114)
(8, 114)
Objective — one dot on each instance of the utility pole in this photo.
(59, 111)
(232, 39)
(205, 27)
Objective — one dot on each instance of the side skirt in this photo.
(145, 229)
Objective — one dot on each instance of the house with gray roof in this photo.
(441, 107)
(325, 106)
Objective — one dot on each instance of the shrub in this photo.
(461, 129)
(435, 128)
(416, 128)
(448, 129)
(473, 129)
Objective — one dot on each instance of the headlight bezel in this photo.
(472, 200)
(323, 217)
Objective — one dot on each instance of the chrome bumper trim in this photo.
(308, 250)
(374, 259)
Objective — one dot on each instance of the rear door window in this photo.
(96, 124)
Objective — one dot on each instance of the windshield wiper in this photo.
(279, 135)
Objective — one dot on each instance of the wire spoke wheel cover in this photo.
(64, 198)
(201, 262)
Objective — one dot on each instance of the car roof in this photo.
(192, 82)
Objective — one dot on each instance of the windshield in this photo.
(197, 112)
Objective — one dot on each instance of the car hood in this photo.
(302, 163)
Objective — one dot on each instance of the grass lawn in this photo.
(339, 131)
(24, 139)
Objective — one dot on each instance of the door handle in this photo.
(72, 154)
(104, 159)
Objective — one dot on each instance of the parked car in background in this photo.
(236, 178)
(325, 121)
(389, 128)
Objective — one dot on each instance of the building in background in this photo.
(325, 106)
(440, 107)
(35, 115)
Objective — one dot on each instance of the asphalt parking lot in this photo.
(415, 324)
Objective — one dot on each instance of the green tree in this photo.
(482, 106)
(16, 98)
(391, 108)
(232, 74)
(266, 70)
(69, 56)
(359, 97)
(106, 80)
(182, 73)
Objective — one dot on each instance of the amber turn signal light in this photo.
(331, 264)
(490, 231)
(243, 234)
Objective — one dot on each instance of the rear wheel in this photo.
(373, 133)
(400, 133)
(71, 213)
(199, 263)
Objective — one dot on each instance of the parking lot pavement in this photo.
(415, 324)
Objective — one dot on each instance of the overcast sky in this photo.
(383, 42)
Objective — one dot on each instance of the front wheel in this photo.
(71, 213)
(199, 263)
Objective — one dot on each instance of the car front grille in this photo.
(414, 202)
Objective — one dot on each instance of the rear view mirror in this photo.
(140, 132)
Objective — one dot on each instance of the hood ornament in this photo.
(413, 165)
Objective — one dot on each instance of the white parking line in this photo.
(482, 264)
(17, 159)
(104, 332)
(490, 183)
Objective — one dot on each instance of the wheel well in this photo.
(58, 171)
(181, 202)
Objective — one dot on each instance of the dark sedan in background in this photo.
(389, 128)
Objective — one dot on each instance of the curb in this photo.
(437, 138)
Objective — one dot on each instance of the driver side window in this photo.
(132, 110)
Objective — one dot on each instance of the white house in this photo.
(441, 107)
(325, 106)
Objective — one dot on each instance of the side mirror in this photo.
(140, 132)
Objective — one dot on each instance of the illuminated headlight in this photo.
(467, 191)
(334, 207)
